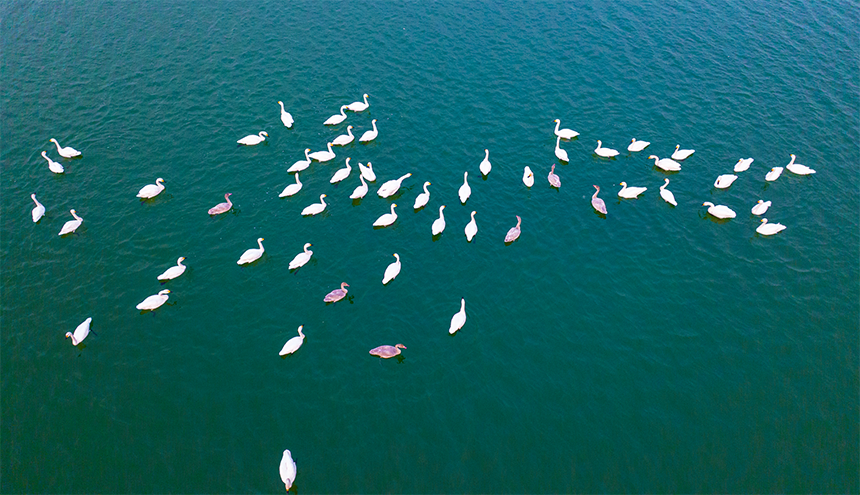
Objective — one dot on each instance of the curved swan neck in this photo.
(519, 221)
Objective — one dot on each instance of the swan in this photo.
(344, 139)
(302, 258)
(439, 223)
(485, 166)
(286, 118)
(174, 271)
(760, 207)
(560, 153)
(253, 139)
(71, 225)
(370, 135)
(459, 318)
(680, 154)
(150, 191)
(341, 174)
(598, 203)
(65, 152)
(359, 106)
(301, 164)
(471, 228)
(292, 188)
(774, 174)
(605, 152)
(81, 332)
(391, 187)
(252, 254)
(337, 294)
(315, 208)
(528, 177)
(367, 171)
(387, 351)
(667, 164)
(553, 178)
(719, 211)
(154, 301)
(724, 181)
(564, 133)
(422, 199)
(39, 210)
(637, 145)
(392, 270)
(359, 191)
(514, 233)
(667, 194)
(222, 207)
(743, 164)
(52, 165)
(322, 156)
(386, 219)
(797, 168)
(465, 190)
(769, 228)
(288, 469)
(630, 192)
(290, 347)
(337, 118)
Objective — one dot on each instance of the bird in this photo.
(222, 207)
(150, 191)
(344, 139)
(680, 154)
(743, 164)
(797, 168)
(459, 318)
(604, 152)
(465, 191)
(760, 207)
(528, 177)
(301, 164)
(253, 139)
(560, 153)
(391, 187)
(387, 351)
(554, 179)
(392, 270)
(769, 228)
(471, 228)
(302, 258)
(666, 164)
(322, 156)
(251, 255)
(724, 181)
(337, 294)
(422, 199)
(774, 174)
(386, 219)
(564, 133)
(52, 165)
(341, 174)
(286, 118)
(637, 145)
(290, 347)
(359, 106)
(630, 192)
(288, 469)
(514, 233)
(439, 224)
(81, 332)
(292, 188)
(174, 271)
(719, 211)
(598, 203)
(315, 208)
(65, 152)
(336, 118)
(71, 225)
(370, 135)
(39, 210)
(485, 166)
(359, 191)
(154, 301)
(367, 171)
(667, 194)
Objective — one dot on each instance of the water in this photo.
(654, 350)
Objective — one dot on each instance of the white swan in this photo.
(760, 207)
(392, 270)
(290, 347)
(39, 210)
(341, 174)
(637, 145)
(315, 208)
(302, 258)
(359, 191)
(81, 332)
(605, 152)
(173, 271)
(344, 139)
(680, 154)
(719, 211)
(725, 180)
(459, 318)
(465, 190)
(288, 470)
(666, 164)
(253, 139)
(154, 301)
(560, 153)
(367, 171)
(323, 156)
(337, 118)
(564, 133)
(439, 224)
(292, 188)
(52, 165)
(667, 194)
(485, 166)
(251, 255)
(422, 199)
(391, 187)
(774, 174)
(630, 192)
(553, 178)
(150, 191)
(370, 135)
(769, 228)
(528, 177)
(71, 225)
(386, 219)
(301, 164)
(797, 168)
(286, 118)
(359, 106)
(743, 164)
(65, 152)
(471, 228)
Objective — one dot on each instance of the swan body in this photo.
(174, 271)
(485, 166)
(387, 351)
(514, 233)
(154, 301)
(288, 470)
(301, 164)
(251, 255)
(637, 145)
(666, 164)
(725, 180)
(760, 207)
(386, 219)
(253, 139)
(344, 139)
(336, 118)
(359, 191)
(359, 106)
(367, 171)
(81, 332)
(667, 194)
(743, 164)
(222, 207)
(471, 228)
(554, 179)
(680, 154)
(465, 190)
(597, 203)
(797, 168)
(39, 211)
(769, 228)
(292, 188)
(323, 156)
(604, 152)
(560, 153)
(528, 177)
(302, 258)
(774, 174)
(52, 165)
(630, 192)
(315, 208)
(719, 211)
(439, 224)
(71, 225)
(286, 118)
(337, 294)
(370, 135)
(150, 191)
(391, 187)
(392, 270)
(341, 174)
(290, 347)
(422, 199)
(564, 133)
(65, 152)
(459, 318)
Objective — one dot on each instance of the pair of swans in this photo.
(154, 302)
(253, 139)
(150, 191)
(252, 255)
(173, 271)
(391, 187)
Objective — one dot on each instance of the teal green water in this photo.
(653, 350)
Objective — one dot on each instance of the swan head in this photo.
(33, 196)
(365, 95)
(465, 174)
(307, 245)
(397, 256)
(72, 211)
(159, 180)
(707, 203)
(53, 141)
(264, 133)
(473, 214)
(622, 184)
(164, 292)
(322, 196)
(596, 187)
(280, 103)
(557, 121)
(373, 121)
(393, 205)
(260, 239)
(401, 346)
(44, 154)
(68, 334)
(181, 259)
(349, 127)
(441, 208)
(677, 147)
